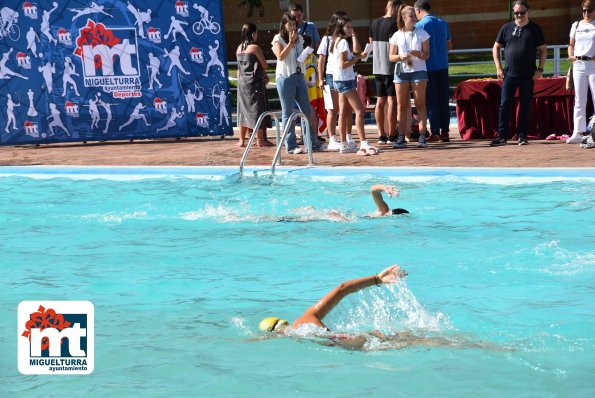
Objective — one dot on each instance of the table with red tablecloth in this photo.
(478, 102)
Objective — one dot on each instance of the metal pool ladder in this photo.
(280, 139)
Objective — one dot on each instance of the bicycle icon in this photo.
(8, 24)
(205, 23)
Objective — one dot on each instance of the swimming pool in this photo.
(182, 263)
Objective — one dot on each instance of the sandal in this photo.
(362, 152)
(373, 150)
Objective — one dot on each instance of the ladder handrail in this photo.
(255, 131)
(305, 134)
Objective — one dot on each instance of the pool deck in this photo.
(217, 152)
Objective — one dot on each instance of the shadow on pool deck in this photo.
(217, 152)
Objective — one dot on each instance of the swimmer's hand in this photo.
(391, 274)
(391, 191)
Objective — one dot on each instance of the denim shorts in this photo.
(328, 80)
(344, 86)
(412, 77)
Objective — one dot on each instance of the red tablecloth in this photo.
(478, 102)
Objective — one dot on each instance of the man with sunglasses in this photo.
(520, 39)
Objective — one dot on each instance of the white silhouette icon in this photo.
(56, 121)
(191, 98)
(10, 113)
(93, 9)
(47, 70)
(45, 23)
(176, 27)
(69, 71)
(214, 59)
(94, 112)
(141, 18)
(223, 115)
(205, 22)
(135, 116)
(108, 110)
(171, 122)
(5, 72)
(153, 67)
(174, 56)
(31, 111)
(32, 39)
(8, 23)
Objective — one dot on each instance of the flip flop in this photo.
(373, 150)
(563, 137)
(362, 152)
(551, 137)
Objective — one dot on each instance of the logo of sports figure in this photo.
(182, 8)
(55, 337)
(64, 36)
(154, 34)
(109, 56)
(30, 10)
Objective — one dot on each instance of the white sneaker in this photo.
(351, 145)
(346, 148)
(333, 145)
(364, 145)
(296, 151)
(576, 138)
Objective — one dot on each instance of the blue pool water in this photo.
(181, 265)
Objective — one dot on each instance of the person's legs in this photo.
(403, 90)
(392, 115)
(525, 103)
(301, 96)
(432, 98)
(581, 92)
(509, 86)
(381, 103)
(286, 88)
(358, 108)
(443, 95)
(419, 95)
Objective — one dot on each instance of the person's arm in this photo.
(542, 57)
(425, 51)
(318, 311)
(321, 62)
(282, 53)
(261, 59)
(376, 191)
(393, 53)
(449, 45)
(356, 48)
(571, 57)
(496, 56)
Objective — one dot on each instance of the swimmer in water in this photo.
(310, 213)
(312, 320)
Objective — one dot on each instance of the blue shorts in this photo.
(344, 86)
(411, 77)
(328, 80)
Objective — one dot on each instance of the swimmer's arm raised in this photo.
(376, 191)
(318, 311)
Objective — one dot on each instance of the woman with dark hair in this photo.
(410, 46)
(252, 80)
(343, 58)
(325, 77)
(581, 51)
(291, 85)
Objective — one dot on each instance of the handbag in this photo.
(569, 78)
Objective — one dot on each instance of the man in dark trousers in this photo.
(438, 88)
(520, 39)
(381, 30)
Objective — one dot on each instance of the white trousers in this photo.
(583, 73)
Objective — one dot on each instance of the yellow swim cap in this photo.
(269, 324)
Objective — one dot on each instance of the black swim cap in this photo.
(399, 211)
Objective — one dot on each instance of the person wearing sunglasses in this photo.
(520, 39)
(581, 52)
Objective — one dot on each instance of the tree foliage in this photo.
(252, 5)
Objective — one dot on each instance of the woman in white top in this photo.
(325, 77)
(410, 46)
(343, 58)
(291, 85)
(581, 51)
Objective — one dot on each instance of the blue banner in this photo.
(80, 70)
